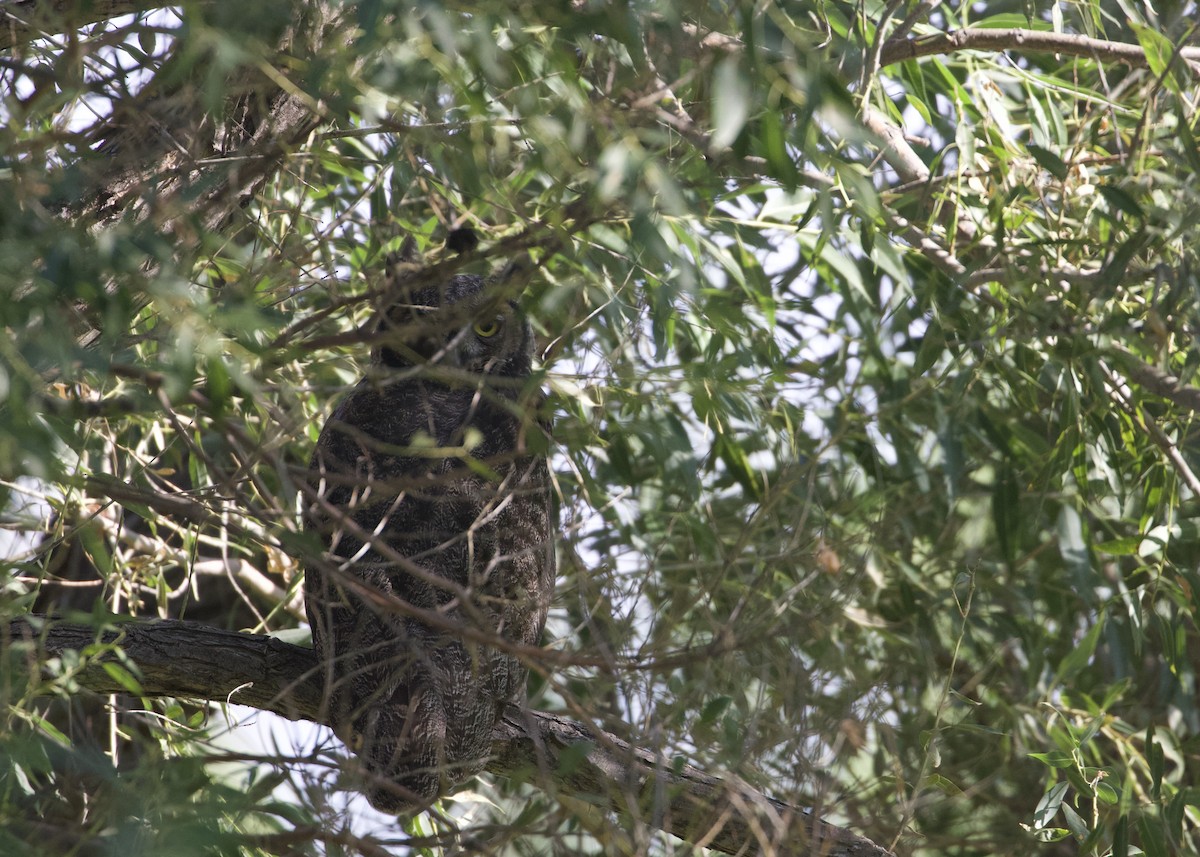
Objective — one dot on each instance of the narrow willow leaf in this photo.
(731, 102)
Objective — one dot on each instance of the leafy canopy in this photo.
(872, 371)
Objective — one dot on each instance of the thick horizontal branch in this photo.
(1025, 41)
(186, 659)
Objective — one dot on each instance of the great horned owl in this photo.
(435, 512)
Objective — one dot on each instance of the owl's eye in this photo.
(487, 329)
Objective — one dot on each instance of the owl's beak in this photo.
(447, 350)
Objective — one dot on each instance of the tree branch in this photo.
(1121, 394)
(163, 160)
(186, 659)
(1029, 41)
(1159, 382)
(23, 20)
(899, 155)
(191, 660)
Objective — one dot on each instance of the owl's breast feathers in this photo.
(425, 468)
(431, 496)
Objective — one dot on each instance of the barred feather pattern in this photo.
(435, 518)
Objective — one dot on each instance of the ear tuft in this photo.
(405, 259)
(518, 268)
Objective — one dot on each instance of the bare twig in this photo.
(23, 20)
(1120, 392)
(1026, 41)
(920, 13)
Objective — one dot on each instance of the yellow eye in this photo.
(487, 329)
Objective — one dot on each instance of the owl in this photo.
(430, 492)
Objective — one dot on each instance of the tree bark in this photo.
(565, 758)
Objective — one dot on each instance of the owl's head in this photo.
(466, 323)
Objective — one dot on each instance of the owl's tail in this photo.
(402, 744)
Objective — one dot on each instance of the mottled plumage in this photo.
(430, 504)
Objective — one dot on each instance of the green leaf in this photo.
(774, 143)
(1081, 655)
(1121, 201)
(1006, 511)
(1173, 815)
(146, 38)
(1049, 161)
(1107, 794)
(1055, 758)
(1154, 839)
(714, 708)
(122, 677)
(1120, 547)
(571, 757)
(1049, 805)
(942, 784)
(1114, 271)
(1011, 21)
(51, 730)
(1120, 846)
(1187, 140)
(731, 102)
(735, 458)
(1075, 823)
(1159, 53)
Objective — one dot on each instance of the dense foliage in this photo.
(876, 454)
